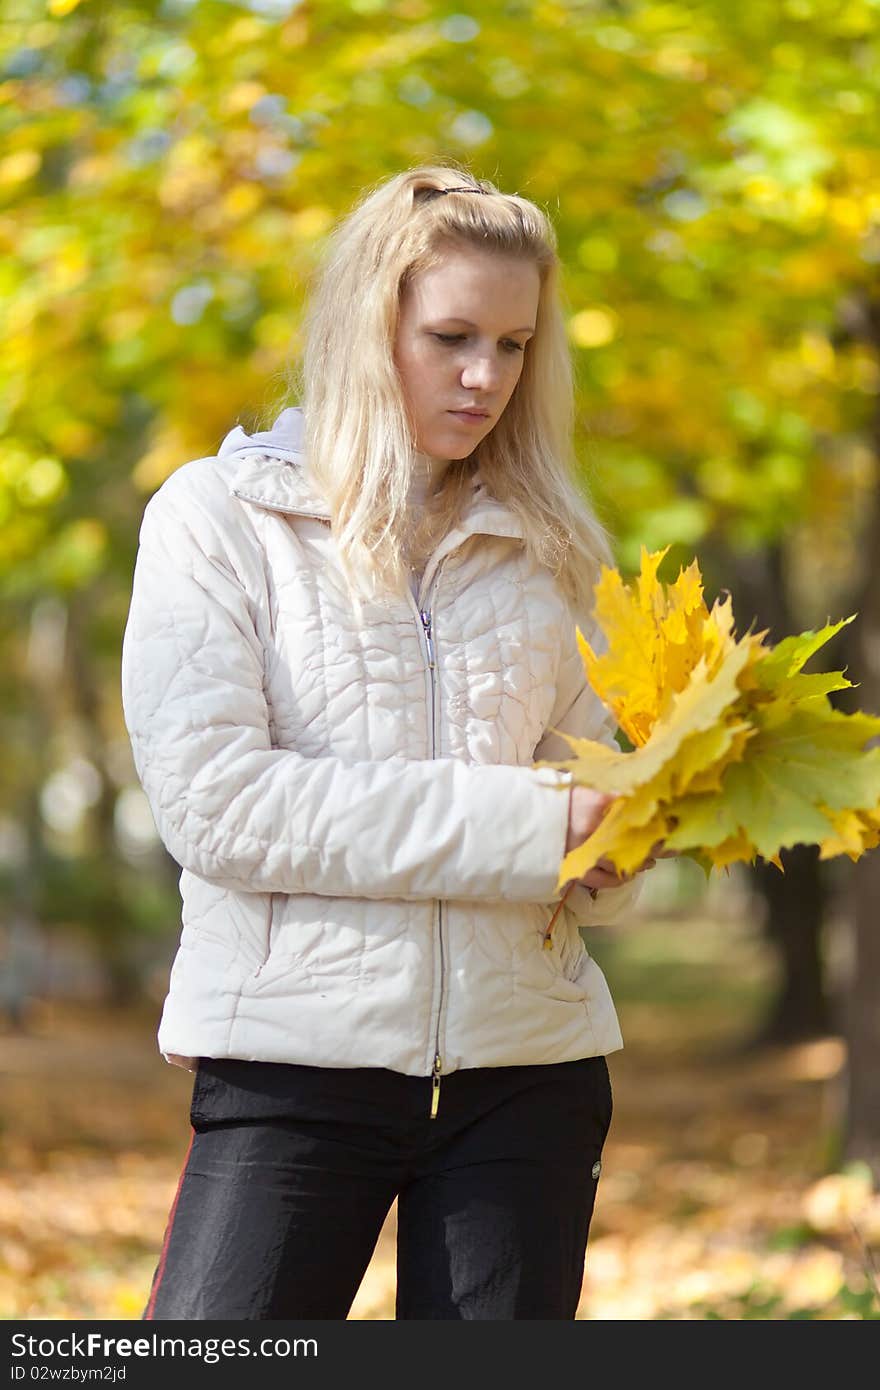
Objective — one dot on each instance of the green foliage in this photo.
(177, 166)
(169, 171)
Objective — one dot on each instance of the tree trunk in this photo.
(796, 900)
(795, 918)
(861, 1138)
(108, 922)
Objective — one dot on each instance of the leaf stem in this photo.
(548, 944)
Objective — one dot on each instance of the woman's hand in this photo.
(586, 808)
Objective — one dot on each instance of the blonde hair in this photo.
(358, 441)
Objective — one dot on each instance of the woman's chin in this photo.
(449, 444)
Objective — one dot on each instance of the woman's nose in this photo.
(481, 373)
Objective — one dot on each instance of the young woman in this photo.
(350, 638)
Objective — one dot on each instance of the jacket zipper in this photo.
(437, 1069)
(425, 619)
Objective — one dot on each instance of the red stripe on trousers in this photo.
(160, 1270)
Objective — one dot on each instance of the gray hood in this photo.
(284, 438)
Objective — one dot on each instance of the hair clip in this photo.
(429, 193)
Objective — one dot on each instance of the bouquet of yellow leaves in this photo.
(736, 752)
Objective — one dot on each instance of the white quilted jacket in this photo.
(368, 857)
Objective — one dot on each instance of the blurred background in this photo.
(168, 171)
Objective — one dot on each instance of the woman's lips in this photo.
(469, 417)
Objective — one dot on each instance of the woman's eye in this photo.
(510, 344)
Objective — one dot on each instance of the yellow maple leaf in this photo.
(691, 735)
(710, 777)
(736, 849)
(660, 636)
(626, 679)
(681, 627)
(855, 832)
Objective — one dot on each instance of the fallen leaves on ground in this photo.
(714, 1199)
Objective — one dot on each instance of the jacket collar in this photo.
(271, 474)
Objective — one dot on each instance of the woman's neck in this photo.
(428, 468)
(426, 474)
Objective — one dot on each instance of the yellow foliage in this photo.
(736, 752)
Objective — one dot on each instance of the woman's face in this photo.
(463, 328)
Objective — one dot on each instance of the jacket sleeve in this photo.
(233, 809)
(580, 712)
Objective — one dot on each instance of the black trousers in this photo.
(292, 1170)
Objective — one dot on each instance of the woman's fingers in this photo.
(658, 852)
(604, 875)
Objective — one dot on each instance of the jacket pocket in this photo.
(552, 972)
(273, 917)
(571, 953)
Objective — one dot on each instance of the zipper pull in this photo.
(435, 1085)
(426, 624)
